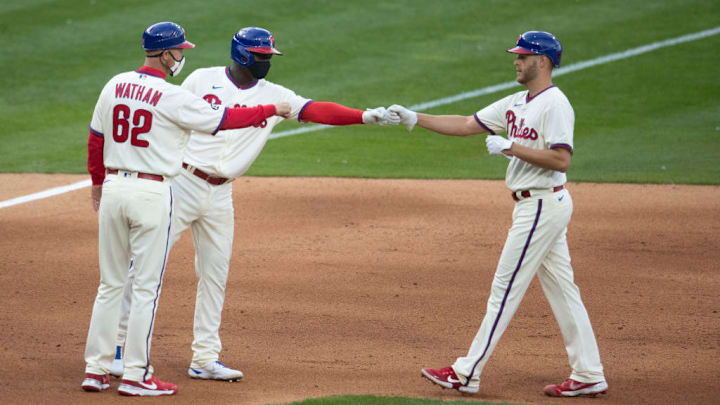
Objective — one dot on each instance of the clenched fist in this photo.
(497, 144)
(403, 116)
(282, 109)
(376, 116)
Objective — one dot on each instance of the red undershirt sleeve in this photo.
(324, 112)
(241, 117)
(95, 165)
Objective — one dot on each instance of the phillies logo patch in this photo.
(213, 100)
(521, 131)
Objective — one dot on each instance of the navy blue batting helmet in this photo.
(164, 35)
(539, 43)
(251, 40)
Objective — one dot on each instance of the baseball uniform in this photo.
(536, 243)
(147, 122)
(205, 205)
(144, 123)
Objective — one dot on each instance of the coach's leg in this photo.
(113, 248)
(150, 220)
(213, 237)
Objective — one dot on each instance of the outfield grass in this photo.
(651, 118)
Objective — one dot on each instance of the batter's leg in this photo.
(213, 237)
(556, 279)
(536, 224)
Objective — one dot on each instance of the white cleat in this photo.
(215, 371)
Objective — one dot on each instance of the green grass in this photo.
(652, 118)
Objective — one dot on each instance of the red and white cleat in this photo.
(446, 378)
(96, 382)
(572, 388)
(152, 387)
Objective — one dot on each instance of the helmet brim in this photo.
(521, 51)
(264, 50)
(186, 45)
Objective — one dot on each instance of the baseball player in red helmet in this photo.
(146, 121)
(539, 125)
(211, 163)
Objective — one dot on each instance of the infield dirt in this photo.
(350, 286)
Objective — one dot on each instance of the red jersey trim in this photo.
(151, 71)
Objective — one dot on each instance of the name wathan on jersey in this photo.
(134, 91)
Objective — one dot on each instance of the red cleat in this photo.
(96, 382)
(446, 378)
(152, 387)
(572, 388)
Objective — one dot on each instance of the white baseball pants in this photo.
(134, 220)
(537, 243)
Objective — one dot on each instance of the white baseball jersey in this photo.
(230, 153)
(542, 122)
(132, 106)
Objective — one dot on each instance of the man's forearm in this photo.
(553, 159)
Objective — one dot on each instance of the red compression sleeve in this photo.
(95, 165)
(323, 112)
(241, 117)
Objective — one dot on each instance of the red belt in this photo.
(148, 176)
(526, 193)
(216, 181)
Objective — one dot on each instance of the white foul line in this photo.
(45, 194)
(430, 104)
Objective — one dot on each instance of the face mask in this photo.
(177, 67)
(259, 69)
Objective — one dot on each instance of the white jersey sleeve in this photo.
(96, 124)
(492, 117)
(558, 125)
(192, 112)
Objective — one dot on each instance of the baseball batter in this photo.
(203, 190)
(147, 122)
(539, 125)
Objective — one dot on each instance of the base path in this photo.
(351, 286)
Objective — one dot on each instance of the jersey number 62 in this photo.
(121, 125)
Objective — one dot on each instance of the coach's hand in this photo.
(282, 109)
(376, 116)
(95, 195)
(497, 144)
(402, 115)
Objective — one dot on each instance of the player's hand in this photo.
(376, 116)
(282, 109)
(95, 195)
(497, 144)
(401, 115)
